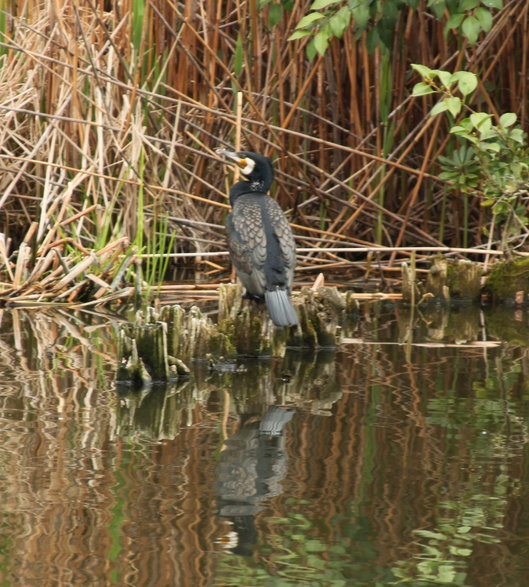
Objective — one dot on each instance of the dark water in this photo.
(402, 457)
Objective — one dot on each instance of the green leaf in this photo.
(238, 57)
(464, 529)
(453, 105)
(340, 21)
(360, 14)
(275, 14)
(319, 4)
(446, 574)
(310, 50)
(478, 119)
(421, 89)
(487, 131)
(467, 82)
(438, 108)
(469, 4)
(494, 147)
(493, 3)
(449, 175)
(518, 135)
(438, 7)
(373, 41)
(507, 119)
(445, 77)
(455, 20)
(321, 41)
(484, 18)
(471, 29)
(466, 125)
(462, 132)
(430, 534)
(309, 19)
(423, 71)
(298, 35)
(500, 207)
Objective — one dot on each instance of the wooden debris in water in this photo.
(72, 278)
(474, 344)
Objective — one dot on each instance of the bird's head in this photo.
(254, 168)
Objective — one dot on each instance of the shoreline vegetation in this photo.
(111, 112)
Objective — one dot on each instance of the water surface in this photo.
(400, 457)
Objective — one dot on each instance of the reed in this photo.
(109, 121)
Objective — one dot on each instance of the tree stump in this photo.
(460, 279)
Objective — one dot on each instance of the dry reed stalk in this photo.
(4, 257)
(23, 258)
(97, 107)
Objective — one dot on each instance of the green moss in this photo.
(508, 278)
(448, 279)
(464, 280)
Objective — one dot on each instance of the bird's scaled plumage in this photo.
(260, 239)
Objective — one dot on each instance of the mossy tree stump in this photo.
(247, 324)
(252, 332)
(447, 280)
(460, 279)
(320, 313)
(190, 334)
(158, 346)
(509, 281)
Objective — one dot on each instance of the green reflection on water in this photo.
(390, 463)
(304, 551)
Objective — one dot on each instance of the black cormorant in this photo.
(260, 239)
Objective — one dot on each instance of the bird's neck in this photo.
(247, 187)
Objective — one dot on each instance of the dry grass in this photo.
(109, 121)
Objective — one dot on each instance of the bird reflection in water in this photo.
(252, 466)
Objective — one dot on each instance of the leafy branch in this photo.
(330, 19)
(493, 157)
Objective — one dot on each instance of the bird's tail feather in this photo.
(280, 307)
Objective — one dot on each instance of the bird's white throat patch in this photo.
(250, 166)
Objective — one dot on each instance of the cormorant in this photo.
(260, 239)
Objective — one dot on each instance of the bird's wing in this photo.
(284, 235)
(247, 244)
